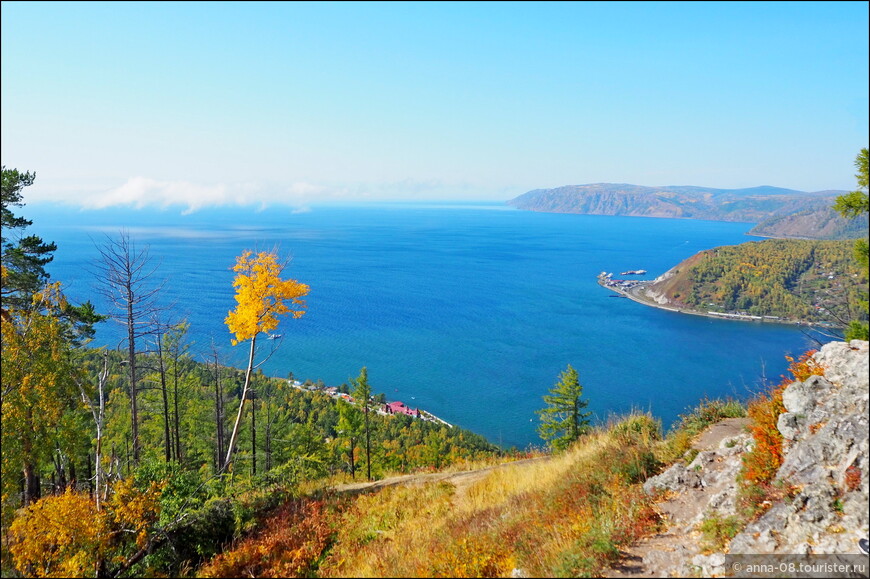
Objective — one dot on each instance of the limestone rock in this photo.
(826, 461)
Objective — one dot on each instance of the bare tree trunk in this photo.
(124, 279)
(176, 351)
(219, 413)
(98, 411)
(253, 434)
(231, 446)
(368, 443)
(268, 443)
(131, 365)
(31, 483)
(31, 478)
(166, 418)
(175, 413)
(101, 384)
(59, 469)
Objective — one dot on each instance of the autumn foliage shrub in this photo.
(473, 556)
(761, 464)
(853, 478)
(59, 536)
(66, 536)
(290, 543)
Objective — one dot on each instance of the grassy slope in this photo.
(566, 516)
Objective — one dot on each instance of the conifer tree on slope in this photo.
(363, 392)
(25, 257)
(850, 205)
(563, 420)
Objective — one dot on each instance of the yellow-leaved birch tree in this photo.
(261, 296)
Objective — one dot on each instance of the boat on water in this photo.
(634, 272)
(274, 336)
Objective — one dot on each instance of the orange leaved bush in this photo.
(291, 541)
(59, 536)
(761, 464)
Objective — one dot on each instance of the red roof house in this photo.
(400, 408)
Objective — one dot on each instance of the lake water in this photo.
(467, 311)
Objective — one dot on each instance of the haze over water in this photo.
(467, 311)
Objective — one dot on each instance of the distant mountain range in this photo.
(777, 212)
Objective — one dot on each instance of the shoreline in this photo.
(634, 293)
(333, 393)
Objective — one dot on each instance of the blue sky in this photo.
(246, 103)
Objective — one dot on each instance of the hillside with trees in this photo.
(145, 459)
(810, 282)
(794, 280)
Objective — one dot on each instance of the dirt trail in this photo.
(661, 554)
(655, 556)
(460, 480)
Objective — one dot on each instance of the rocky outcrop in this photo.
(688, 491)
(658, 297)
(824, 476)
(826, 461)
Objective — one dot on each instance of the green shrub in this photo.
(637, 428)
(718, 531)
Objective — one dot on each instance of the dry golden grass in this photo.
(564, 515)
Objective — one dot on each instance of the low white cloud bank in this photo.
(140, 192)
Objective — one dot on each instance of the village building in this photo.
(400, 408)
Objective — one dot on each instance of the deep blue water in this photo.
(468, 311)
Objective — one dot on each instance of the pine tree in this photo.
(25, 256)
(363, 392)
(350, 425)
(850, 205)
(563, 420)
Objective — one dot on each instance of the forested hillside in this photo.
(109, 454)
(816, 281)
(292, 433)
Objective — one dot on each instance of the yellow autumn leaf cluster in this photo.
(133, 510)
(60, 536)
(66, 536)
(262, 295)
(38, 380)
